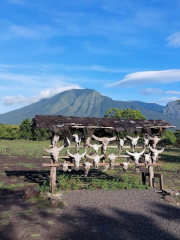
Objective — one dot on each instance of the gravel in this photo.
(127, 214)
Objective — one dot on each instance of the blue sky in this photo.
(127, 50)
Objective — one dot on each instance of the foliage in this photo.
(124, 113)
(177, 134)
(25, 130)
(9, 131)
(170, 137)
(71, 182)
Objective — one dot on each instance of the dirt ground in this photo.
(38, 219)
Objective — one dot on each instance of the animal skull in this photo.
(55, 152)
(54, 140)
(77, 139)
(146, 142)
(87, 166)
(96, 158)
(155, 153)
(125, 166)
(77, 158)
(154, 141)
(147, 158)
(104, 141)
(136, 157)
(95, 147)
(65, 166)
(133, 141)
(112, 158)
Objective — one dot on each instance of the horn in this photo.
(129, 137)
(49, 151)
(60, 148)
(129, 153)
(112, 139)
(160, 151)
(152, 149)
(97, 138)
(141, 153)
(71, 155)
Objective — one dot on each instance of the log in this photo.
(100, 164)
(156, 175)
(52, 177)
(151, 174)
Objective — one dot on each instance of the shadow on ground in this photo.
(39, 220)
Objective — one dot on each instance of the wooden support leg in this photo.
(151, 176)
(144, 178)
(52, 179)
(161, 181)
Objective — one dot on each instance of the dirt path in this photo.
(112, 215)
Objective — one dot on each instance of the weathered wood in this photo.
(100, 164)
(121, 156)
(156, 175)
(151, 174)
(161, 181)
(52, 177)
(144, 178)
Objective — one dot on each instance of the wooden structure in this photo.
(101, 127)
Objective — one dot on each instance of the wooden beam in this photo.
(156, 175)
(100, 164)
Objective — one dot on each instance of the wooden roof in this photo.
(58, 122)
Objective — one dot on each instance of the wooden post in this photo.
(144, 178)
(151, 174)
(161, 181)
(52, 178)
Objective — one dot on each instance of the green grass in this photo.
(170, 159)
(11, 187)
(28, 165)
(103, 181)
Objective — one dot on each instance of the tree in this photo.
(124, 113)
(170, 137)
(25, 130)
(177, 134)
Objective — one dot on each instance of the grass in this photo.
(11, 187)
(170, 159)
(103, 181)
(27, 165)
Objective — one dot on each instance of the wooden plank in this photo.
(156, 175)
(161, 180)
(151, 174)
(100, 164)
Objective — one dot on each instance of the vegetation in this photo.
(124, 113)
(170, 137)
(70, 182)
(25, 130)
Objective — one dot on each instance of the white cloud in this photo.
(52, 92)
(173, 92)
(151, 91)
(48, 93)
(165, 100)
(174, 40)
(148, 77)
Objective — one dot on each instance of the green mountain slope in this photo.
(84, 103)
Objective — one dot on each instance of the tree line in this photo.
(26, 129)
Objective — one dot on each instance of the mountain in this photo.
(88, 103)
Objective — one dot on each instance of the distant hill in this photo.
(89, 103)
